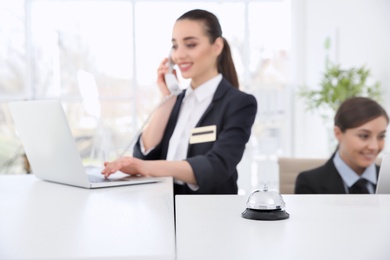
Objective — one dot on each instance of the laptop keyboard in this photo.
(97, 179)
(94, 174)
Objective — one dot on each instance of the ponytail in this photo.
(226, 65)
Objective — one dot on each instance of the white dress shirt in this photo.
(193, 106)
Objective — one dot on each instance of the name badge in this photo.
(203, 134)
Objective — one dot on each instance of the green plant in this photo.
(337, 85)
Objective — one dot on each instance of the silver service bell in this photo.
(265, 205)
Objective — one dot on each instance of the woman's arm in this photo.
(180, 170)
(154, 130)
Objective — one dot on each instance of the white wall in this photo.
(360, 34)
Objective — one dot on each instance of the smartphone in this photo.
(170, 78)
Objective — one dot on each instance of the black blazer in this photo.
(322, 180)
(214, 163)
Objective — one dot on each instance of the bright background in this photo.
(100, 58)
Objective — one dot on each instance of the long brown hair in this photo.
(213, 30)
(357, 111)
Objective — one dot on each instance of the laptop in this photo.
(51, 150)
(383, 183)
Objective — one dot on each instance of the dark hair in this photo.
(357, 111)
(213, 30)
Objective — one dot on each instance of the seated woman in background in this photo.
(360, 129)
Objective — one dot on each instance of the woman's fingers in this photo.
(114, 166)
(163, 68)
(124, 164)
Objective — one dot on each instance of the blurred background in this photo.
(100, 59)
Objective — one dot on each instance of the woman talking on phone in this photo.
(198, 137)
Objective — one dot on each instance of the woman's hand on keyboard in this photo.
(129, 165)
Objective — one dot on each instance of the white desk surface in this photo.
(319, 227)
(42, 220)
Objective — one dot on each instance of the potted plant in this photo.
(338, 84)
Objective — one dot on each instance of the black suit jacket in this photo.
(322, 180)
(214, 163)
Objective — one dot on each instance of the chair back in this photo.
(289, 168)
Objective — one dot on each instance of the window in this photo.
(102, 63)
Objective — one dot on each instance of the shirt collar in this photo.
(349, 176)
(205, 90)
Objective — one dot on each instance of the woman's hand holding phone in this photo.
(162, 70)
(166, 78)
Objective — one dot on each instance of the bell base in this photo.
(265, 214)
